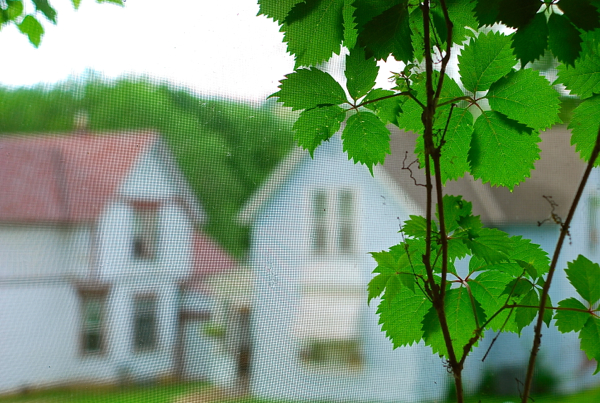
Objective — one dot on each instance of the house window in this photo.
(328, 329)
(145, 230)
(93, 312)
(145, 323)
(333, 226)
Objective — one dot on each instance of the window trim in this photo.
(330, 224)
(146, 217)
(87, 290)
(137, 349)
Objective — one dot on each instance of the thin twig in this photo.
(537, 340)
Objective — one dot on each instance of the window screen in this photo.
(163, 239)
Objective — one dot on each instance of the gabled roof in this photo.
(557, 174)
(65, 178)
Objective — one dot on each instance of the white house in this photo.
(313, 224)
(101, 264)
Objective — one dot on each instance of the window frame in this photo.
(89, 292)
(145, 238)
(333, 227)
(154, 311)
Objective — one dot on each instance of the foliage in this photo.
(225, 149)
(26, 16)
(486, 124)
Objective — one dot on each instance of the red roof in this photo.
(209, 258)
(59, 178)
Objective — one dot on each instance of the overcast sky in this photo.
(216, 48)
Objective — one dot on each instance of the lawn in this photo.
(171, 393)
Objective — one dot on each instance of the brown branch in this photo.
(537, 340)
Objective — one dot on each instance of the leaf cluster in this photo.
(27, 16)
(500, 291)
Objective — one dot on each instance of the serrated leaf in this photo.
(275, 9)
(389, 33)
(583, 78)
(360, 73)
(461, 322)
(563, 39)
(401, 317)
(585, 277)
(518, 287)
(455, 208)
(531, 40)
(571, 321)
(366, 139)
(548, 313)
(508, 267)
(511, 95)
(350, 31)
(533, 254)
(314, 30)
(488, 288)
(584, 130)
(462, 16)
(524, 316)
(309, 88)
(590, 340)
(517, 13)
(33, 29)
(386, 109)
(491, 245)
(77, 2)
(484, 60)
(416, 226)
(581, 13)
(45, 8)
(317, 125)
(487, 11)
(502, 150)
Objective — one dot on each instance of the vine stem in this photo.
(564, 230)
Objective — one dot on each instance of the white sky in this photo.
(216, 48)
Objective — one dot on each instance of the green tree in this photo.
(225, 149)
(486, 126)
(26, 16)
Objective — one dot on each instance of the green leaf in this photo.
(583, 129)
(583, 78)
(502, 150)
(386, 109)
(455, 208)
(484, 60)
(571, 321)
(461, 322)
(581, 13)
(13, 10)
(360, 73)
(524, 316)
(314, 30)
(531, 40)
(77, 2)
(401, 317)
(317, 125)
(389, 33)
(590, 340)
(309, 88)
(33, 29)
(585, 277)
(532, 254)
(548, 313)
(563, 39)
(416, 226)
(45, 8)
(487, 11)
(517, 13)
(350, 32)
(491, 245)
(488, 288)
(512, 96)
(366, 139)
(457, 142)
(275, 9)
